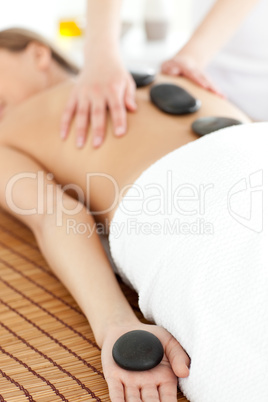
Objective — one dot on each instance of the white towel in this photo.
(205, 280)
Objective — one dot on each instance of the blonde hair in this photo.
(17, 39)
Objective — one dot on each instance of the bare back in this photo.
(33, 128)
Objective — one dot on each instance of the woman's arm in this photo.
(104, 80)
(103, 26)
(214, 31)
(79, 261)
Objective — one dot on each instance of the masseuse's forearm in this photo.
(81, 264)
(103, 27)
(218, 26)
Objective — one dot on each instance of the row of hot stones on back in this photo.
(175, 100)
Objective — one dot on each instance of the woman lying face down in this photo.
(34, 84)
(44, 73)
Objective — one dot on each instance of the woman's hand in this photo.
(159, 383)
(104, 84)
(187, 67)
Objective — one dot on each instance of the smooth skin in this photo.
(29, 145)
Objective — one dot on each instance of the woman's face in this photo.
(21, 76)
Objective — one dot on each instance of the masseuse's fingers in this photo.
(103, 84)
(82, 117)
(187, 68)
(117, 109)
(170, 67)
(120, 97)
(201, 79)
(98, 121)
(130, 95)
(68, 115)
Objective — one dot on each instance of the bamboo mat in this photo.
(47, 349)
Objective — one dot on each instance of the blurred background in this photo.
(151, 30)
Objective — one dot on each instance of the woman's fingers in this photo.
(116, 390)
(82, 117)
(156, 385)
(149, 393)
(178, 358)
(68, 115)
(132, 394)
(98, 121)
(168, 392)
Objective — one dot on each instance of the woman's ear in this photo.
(40, 54)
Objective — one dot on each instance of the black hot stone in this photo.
(138, 351)
(206, 125)
(173, 99)
(143, 78)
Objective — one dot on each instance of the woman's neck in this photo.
(58, 75)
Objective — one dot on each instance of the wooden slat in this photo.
(47, 349)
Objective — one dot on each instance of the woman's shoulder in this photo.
(38, 110)
(49, 101)
(53, 98)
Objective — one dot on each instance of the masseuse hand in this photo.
(157, 384)
(104, 83)
(186, 66)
